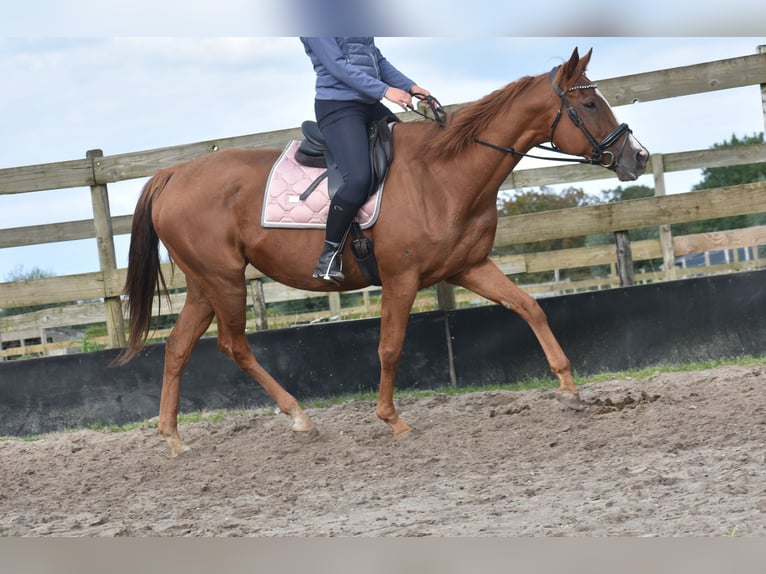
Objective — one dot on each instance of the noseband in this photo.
(601, 154)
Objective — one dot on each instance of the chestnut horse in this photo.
(437, 223)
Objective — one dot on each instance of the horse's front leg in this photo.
(487, 280)
(396, 303)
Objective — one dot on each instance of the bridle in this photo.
(601, 154)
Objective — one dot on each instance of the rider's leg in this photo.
(329, 266)
(344, 127)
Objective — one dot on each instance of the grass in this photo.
(745, 361)
(99, 427)
(530, 384)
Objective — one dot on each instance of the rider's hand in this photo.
(419, 93)
(399, 97)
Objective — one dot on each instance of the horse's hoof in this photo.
(177, 450)
(304, 436)
(570, 400)
(401, 429)
(176, 444)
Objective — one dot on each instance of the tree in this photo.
(544, 199)
(625, 194)
(724, 176)
(20, 274)
(630, 192)
(715, 177)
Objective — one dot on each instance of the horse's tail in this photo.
(144, 272)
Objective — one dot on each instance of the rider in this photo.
(352, 76)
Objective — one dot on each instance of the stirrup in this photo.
(331, 276)
(330, 264)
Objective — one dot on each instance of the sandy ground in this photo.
(673, 454)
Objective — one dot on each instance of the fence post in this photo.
(259, 305)
(762, 50)
(445, 296)
(335, 308)
(666, 237)
(102, 219)
(624, 258)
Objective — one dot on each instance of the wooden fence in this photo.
(103, 288)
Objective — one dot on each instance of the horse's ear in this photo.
(574, 68)
(585, 60)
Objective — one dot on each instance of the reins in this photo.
(515, 152)
(439, 115)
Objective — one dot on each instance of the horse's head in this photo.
(589, 128)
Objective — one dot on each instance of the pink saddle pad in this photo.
(283, 207)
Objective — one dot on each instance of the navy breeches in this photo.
(344, 127)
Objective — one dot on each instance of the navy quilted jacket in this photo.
(352, 69)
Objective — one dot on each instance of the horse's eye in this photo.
(590, 105)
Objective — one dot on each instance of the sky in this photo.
(148, 80)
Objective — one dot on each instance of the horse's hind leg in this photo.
(487, 280)
(229, 303)
(233, 343)
(193, 321)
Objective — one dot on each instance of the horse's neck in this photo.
(523, 125)
(471, 178)
(480, 170)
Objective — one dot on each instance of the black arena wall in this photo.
(642, 326)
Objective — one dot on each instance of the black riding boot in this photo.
(330, 264)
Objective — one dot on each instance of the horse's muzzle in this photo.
(631, 162)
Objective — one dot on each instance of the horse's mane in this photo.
(469, 121)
